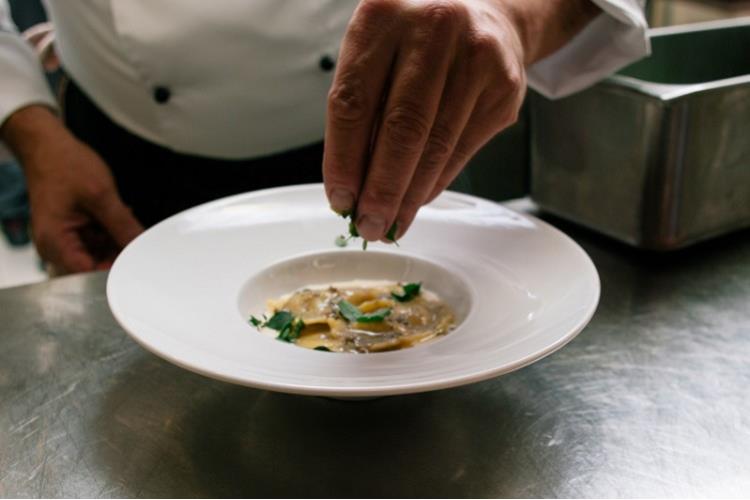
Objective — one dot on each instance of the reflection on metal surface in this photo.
(656, 156)
(650, 400)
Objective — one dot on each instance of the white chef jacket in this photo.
(243, 78)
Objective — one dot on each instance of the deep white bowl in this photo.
(185, 288)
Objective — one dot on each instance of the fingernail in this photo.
(341, 200)
(371, 227)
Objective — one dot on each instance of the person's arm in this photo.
(421, 86)
(546, 25)
(78, 220)
(22, 82)
(611, 41)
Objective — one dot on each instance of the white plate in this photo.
(185, 288)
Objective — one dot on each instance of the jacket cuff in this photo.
(615, 39)
(23, 82)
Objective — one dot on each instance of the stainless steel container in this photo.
(657, 156)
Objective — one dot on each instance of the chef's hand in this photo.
(420, 86)
(79, 223)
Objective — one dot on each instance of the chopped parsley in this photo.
(279, 320)
(352, 314)
(411, 290)
(391, 235)
(284, 322)
(258, 323)
(351, 215)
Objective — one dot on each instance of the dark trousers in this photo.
(157, 182)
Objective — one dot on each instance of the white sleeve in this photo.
(22, 80)
(616, 38)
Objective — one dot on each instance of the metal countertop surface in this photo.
(651, 399)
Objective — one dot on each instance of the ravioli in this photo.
(383, 316)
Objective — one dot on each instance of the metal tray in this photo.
(657, 156)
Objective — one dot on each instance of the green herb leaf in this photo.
(284, 333)
(284, 322)
(291, 330)
(322, 348)
(280, 320)
(351, 215)
(375, 316)
(352, 314)
(297, 326)
(353, 229)
(411, 290)
(349, 311)
(391, 235)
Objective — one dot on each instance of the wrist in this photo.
(27, 128)
(544, 26)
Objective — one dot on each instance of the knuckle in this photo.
(378, 10)
(381, 193)
(341, 168)
(514, 80)
(509, 81)
(347, 101)
(442, 15)
(483, 48)
(406, 128)
(97, 193)
(438, 150)
(461, 155)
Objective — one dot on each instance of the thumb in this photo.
(118, 220)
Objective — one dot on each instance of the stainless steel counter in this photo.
(652, 399)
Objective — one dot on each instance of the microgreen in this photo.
(349, 311)
(411, 290)
(284, 322)
(351, 215)
(352, 314)
(375, 316)
(279, 320)
(258, 323)
(391, 235)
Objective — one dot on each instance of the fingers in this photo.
(456, 106)
(487, 121)
(117, 219)
(418, 81)
(367, 53)
(64, 249)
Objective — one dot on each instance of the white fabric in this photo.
(21, 79)
(244, 75)
(618, 37)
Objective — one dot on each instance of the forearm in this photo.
(547, 25)
(23, 131)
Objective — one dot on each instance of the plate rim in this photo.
(381, 390)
